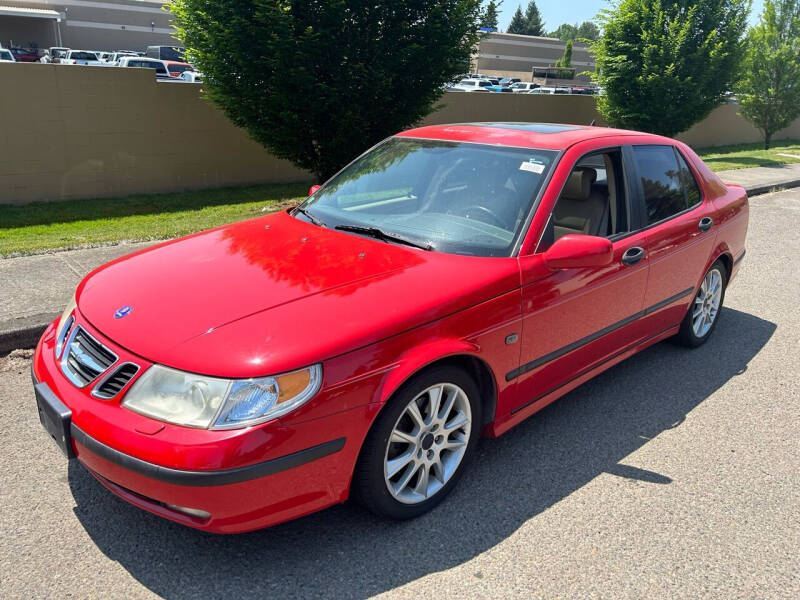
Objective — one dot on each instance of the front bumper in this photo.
(223, 482)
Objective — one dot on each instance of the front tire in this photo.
(419, 445)
(703, 314)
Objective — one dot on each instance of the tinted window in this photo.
(661, 181)
(689, 182)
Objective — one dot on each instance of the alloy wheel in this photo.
(706, 303)
(427, 443)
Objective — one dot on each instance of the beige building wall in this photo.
(519, 54)
(82, 132)
(91, 25)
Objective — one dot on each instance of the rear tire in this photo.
(703, 313)
(420, 444)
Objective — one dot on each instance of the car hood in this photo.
(273, 294)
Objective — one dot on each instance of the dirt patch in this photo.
(16, 361)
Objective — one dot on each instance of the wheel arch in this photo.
(459, 354)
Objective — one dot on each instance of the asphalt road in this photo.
(673, 475)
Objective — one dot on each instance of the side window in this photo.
(592, 201)
(689, 182)
(661, 181)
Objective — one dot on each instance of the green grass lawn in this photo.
(743, 156)
(43, 226)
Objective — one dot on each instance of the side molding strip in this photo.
(594, 336)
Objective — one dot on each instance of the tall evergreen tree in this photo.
(533, 20)
(490, 15)
(769, 92)
(518, 23)
(665, 64)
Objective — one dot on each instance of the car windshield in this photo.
(5, 55)
(83, 56)
(459, 198)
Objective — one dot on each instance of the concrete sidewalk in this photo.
(35, 289)
(760, 180)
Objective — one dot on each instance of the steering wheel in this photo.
(486, 212)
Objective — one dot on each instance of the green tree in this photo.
(490, 15)
(565, 32)
(769, 92)
(533, 20)
(319, 82)
(585, 31)
(665, 64)
(566, 60)
(588, 30)
(518, 23)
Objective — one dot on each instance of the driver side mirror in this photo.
(313, 189)
(576, 250)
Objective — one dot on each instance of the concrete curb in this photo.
(25, 332)
(758, 190)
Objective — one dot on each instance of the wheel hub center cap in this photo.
(427, 441)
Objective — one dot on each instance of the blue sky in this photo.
(555, 12)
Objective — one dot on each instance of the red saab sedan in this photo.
(447, 284)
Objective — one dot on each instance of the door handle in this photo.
(632, 256)
(705, 223)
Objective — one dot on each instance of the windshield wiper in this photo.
(310, 216)
(380, 234)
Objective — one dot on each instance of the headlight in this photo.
(64, 325)
(209, 402)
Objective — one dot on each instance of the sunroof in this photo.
(531, 127)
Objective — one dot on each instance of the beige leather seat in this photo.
(579, 209)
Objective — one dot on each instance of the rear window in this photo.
(83, 56)
(179, 68)
(661, 180)
(5, 55)
(484, 83)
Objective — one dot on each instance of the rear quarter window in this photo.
(662, 182)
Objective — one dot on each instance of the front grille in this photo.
(85, 359)
(113, 384)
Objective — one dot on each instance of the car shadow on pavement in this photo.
(345, 552)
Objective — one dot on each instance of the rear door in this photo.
(679, 231)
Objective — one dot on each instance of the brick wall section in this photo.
(80, 132)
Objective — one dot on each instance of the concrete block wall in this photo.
(82, 132)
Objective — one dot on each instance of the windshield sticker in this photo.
(532, 167)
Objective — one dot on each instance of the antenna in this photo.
(592, 123)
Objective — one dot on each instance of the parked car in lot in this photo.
(6, 56)
(25, 55)
(176, 68)
(174, 53)
(448, 284)
(57, 53)
(142, 62)
(550, 90)
(473, 85)
(192, 77)
(84, 57)
(116, 56)
(523, 86)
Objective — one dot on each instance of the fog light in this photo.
(192, 512)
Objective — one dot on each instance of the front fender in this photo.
(417, 358)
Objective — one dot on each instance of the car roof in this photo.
(553, 136)
(176, 62)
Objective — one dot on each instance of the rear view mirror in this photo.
(313, 189)
(576, 250)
